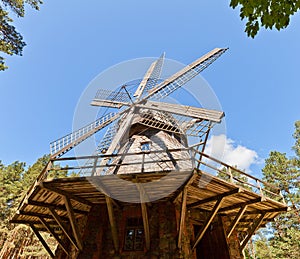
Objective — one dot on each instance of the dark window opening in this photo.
(146, 146)
(134, 235)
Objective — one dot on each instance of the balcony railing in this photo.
(156, 162)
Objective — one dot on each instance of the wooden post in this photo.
(182, 216)
(146, 225)
(144, 199)
(112, 222)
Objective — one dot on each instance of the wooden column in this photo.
(112, 222)
(144, 199)
(182, 216)
(146, 225)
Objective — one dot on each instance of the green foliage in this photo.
(284, 172)
(11, 42)
(15, 180)
(265, 13)
(237, 177)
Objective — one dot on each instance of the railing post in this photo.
(259, 187)
(230, 174)
(143, 162)
(282, 197)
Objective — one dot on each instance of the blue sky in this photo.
(71, 42)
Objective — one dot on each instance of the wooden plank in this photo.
(217, 197)
(41, 239)
(73, 222)
(56, 206)
(36, 214)
(112, 222)
(182, 216)
(60, 243)
(63, 227)
(259, 211)
(194, 112)
(241, 204)
(209, 219)
(253, 229)
(47, 186)
(236, 220)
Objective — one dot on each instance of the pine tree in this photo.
(284, 172)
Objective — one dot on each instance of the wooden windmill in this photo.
(146, 191)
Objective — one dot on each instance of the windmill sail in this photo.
(183, 76)
(112, 99)
(64, 144)
(151, 77)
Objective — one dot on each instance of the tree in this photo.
(11, 41)
(284, 172)
(265, 13)
(18, 241)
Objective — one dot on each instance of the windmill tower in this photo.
(147, 192)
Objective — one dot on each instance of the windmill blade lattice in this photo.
(64, 144)
(101, 148)
(183, 76)
(151, 77)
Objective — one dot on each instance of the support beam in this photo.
(41, 239)
(259, 211)
(112, 222)
(187, 183)
(144, 198)
(63, 227)
(207, 222)
(182, 216)
(97, 182)
(38, 215)
(214, 198)
(64, 193)
(253, 229)
(50, 230)
(73, 222)
(56, 206)
(146, 225)
(236, 220)
(241, 204)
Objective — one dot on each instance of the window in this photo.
(146, 146)
(134, 235)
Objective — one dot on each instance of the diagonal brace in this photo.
(207, 222)
(45, 245)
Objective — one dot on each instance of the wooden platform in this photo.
(54, 204)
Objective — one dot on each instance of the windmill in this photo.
(145, 192)
(147, 91)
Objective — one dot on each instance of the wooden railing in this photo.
(192, 157)
(236, 176)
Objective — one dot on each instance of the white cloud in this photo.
(230, 153)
